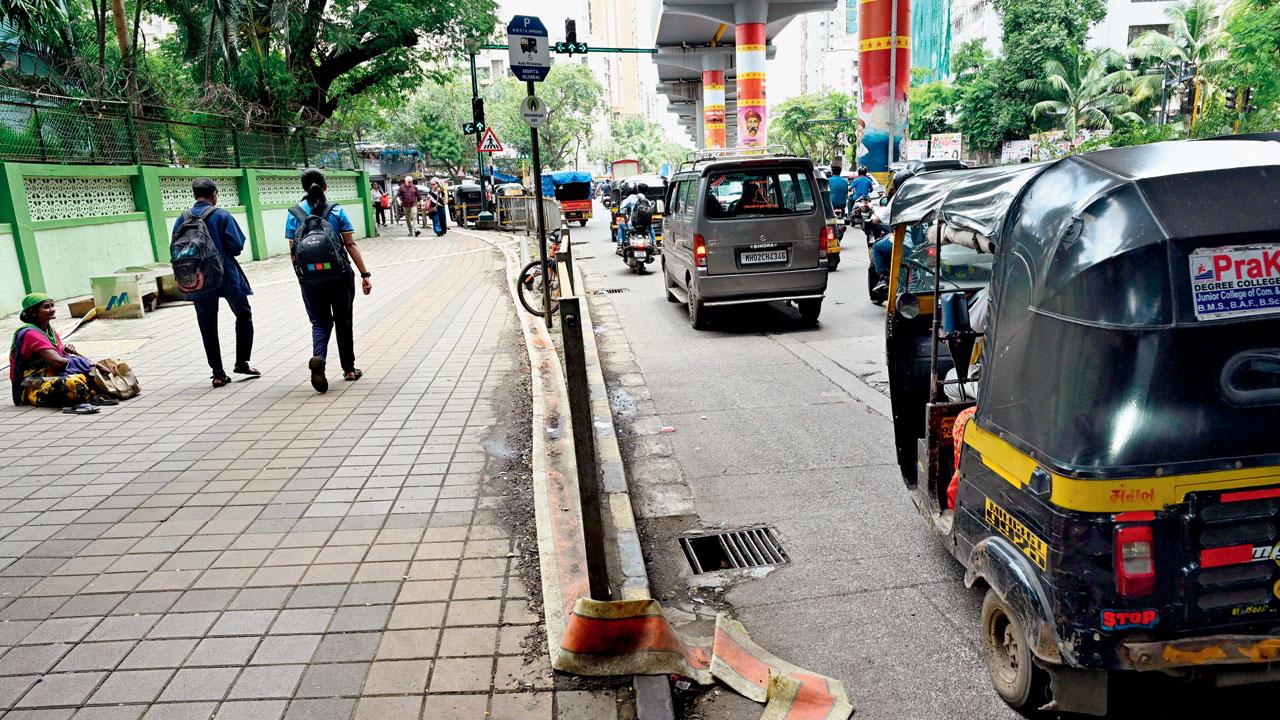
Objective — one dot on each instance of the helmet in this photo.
(642, 188)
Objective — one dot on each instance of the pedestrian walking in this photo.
(323, 247)
(206, 223)
(439, 218)
(381, 201)
(408, 195)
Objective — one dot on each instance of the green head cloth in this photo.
(33, 299)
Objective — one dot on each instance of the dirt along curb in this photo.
(557, 502)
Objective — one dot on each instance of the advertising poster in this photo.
(945, 145)
(1012, 151)
(916, 150)
(1235, 281)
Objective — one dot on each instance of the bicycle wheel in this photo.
(529, 288)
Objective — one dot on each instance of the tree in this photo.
(1252, 58)
(980, 118)
(574, 99)
(634, 137)
(1194, 40)
(931, 106)
(791, 124)
(1086, 91)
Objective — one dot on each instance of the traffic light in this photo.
(1231, 98)
(570, 31)
(477, 110)
(1247, 105)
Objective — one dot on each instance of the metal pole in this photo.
(1164, 95)
(44, 157)
(542, 227)
(575, 370)
(893, 83)
(485, 217)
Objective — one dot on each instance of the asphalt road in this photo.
(778, 423)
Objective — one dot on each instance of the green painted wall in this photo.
(90, 236)
(70, 255)
(11, 287)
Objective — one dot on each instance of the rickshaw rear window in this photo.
(962, 268)
(1252, 377)
(759, 193)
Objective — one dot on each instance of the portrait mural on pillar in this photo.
(753, 116)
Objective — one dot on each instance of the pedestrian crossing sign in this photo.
(489, 143)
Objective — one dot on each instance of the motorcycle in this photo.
(638, 250)
(860, 213)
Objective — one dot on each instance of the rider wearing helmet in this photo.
(637, 208)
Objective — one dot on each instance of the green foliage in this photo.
(635, 138)
(1086, 91)
(930, 106)
(574, 99)
(790, 125)
(1253, 57)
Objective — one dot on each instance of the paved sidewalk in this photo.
(261, 551)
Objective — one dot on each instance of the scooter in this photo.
(860, 212)
(638, 250)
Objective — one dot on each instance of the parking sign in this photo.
(527, 48)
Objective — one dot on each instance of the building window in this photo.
(1136, 31)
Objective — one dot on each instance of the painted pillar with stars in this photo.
(885, 74)
(713, 108)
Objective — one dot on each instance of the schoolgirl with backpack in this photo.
(323, 247)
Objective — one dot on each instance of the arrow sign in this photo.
(472, 128)
(489, 143)
(527, 49)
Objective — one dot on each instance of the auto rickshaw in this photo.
(573, 189)
(1117, 489)
(835, 226)
(656, 191)
(464, 204)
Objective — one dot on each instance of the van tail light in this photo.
(699, 251)
(1135, 560)
(826, 240)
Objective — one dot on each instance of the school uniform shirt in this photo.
(229, 239)
(336, 216)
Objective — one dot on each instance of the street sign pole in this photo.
(542, 226)
(484, 221)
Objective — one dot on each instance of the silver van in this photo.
(744, 228)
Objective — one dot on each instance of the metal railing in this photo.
(517, 213)
(72, 133)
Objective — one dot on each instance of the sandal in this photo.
(318, 380)
(103, 401)
(353, 375)
(244, 369)
(81, 409)
(220, 380)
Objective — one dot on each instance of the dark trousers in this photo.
(207, 317)
(382, 214)
(329, 306)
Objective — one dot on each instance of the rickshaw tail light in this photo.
(826, 240)
(699, 251)
(1135, 560)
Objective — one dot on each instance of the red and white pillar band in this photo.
(752, 116)
(713, 108)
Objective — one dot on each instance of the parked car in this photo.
(745, 228)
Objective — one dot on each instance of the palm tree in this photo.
(1085, 91)
(1195, 40)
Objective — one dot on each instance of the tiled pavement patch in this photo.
(261, 551)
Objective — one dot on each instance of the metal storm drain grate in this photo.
(609, 291)
(733, 550)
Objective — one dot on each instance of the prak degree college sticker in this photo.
(1235, 281)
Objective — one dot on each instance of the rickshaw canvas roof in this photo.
(975, 200)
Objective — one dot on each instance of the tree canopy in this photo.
(574, 100)
(791, 124)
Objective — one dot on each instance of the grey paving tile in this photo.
(180, 711)
(286, 649)
(222, 651)
(69, 689)
(159, 654)
(347, 647)
(95, 656)
(253, 710)
(267, 682)
(327, 709)
(243, 622)
(199, 684)
(333, 680)
(130, 686)
(31, 659)
(115, 712)
(183, 625)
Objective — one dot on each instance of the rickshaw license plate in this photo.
(767, 256)
(1235, 281)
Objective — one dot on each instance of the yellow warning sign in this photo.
(489, 143)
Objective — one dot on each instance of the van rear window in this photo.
(758, 193)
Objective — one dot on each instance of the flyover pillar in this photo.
(751, 45)
(884, 69)
(713, 102)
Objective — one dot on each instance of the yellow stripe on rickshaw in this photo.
(1109, 496)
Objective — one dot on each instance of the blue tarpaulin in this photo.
(550, 181)
(500, 176)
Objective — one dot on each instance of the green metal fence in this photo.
(59, 133)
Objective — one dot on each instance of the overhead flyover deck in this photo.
(720, 49)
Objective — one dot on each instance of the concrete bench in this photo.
(130, 292)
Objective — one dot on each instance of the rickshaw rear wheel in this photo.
(582, 222)
(1014, 675)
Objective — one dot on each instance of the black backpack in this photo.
(642, 213)
(197, 263)
(318, 252)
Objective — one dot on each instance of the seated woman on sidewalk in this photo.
(45, 372)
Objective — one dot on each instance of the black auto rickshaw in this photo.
(464, 205)
(655, 190)
(1118, 485)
